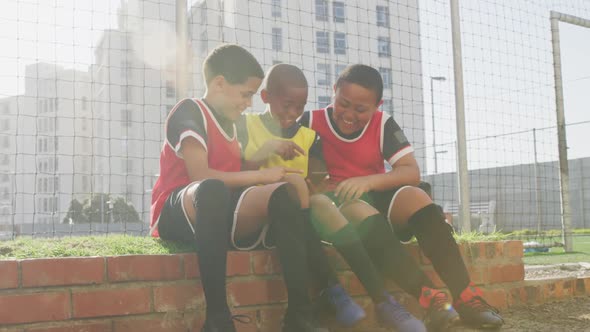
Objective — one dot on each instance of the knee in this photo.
(408, 201)
(284, 197)
(212, 194)
(320, 201)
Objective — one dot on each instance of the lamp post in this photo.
(432, 79)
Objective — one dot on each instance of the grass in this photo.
(581, 253)
(111, 245)
(115, 245)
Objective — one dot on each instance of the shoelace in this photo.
(480, 304)
(440, 301)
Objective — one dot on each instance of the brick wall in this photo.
(163, 293)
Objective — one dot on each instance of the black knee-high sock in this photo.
(437, 242)
(212, 202)
(348, 243)
(393, 260)
(289, 235)
(319, 265)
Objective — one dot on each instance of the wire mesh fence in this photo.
(85, 87)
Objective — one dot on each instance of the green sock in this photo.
(348, 243)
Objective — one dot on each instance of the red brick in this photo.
(465, 252)
(238, 263)
(111, 302)
(355, 287)
(271, 319)
(77, 327)
(415, 252)
(9, 273)
(513, 249)
(496, 297)
(491, 249)
(37, 307)
(166, 323)
(62, 271)
(252, 326)
(433, 276)
(178, 297)
(265, 262)
(257, 292)
(505, 273)
(336, 260)
(191, 266)
(478, 274)
(582, 286)
(146, 267)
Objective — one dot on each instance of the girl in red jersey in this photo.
(202, 195)
(356, 139)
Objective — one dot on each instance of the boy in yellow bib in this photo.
(274, 138)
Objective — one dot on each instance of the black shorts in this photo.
(175, 225)
(382, 201)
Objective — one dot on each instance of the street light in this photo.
(432, 79)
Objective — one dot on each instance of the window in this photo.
(383, 16)
(125, 73)
(324, 101)
(386, 76)
(276, 8)
(337, 70)
(170, 89)
(383, 47)
(126, 118)
(321, 10)
(124, 94)
(338, 11)
(322, 41)
(323, 73)
(339, 43)
(277, 39)
(387, 106)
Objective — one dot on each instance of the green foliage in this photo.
(82, 246)
(101, 208)
(75, 213)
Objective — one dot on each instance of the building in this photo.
(322, 37)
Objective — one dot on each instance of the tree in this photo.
(75, 214)
(101, 208)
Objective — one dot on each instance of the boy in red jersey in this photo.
(356, 139)
(202, 195)
(274, 138)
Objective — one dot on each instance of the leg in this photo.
(334, 224)
(207, 205)
(413, 208)
(279, 204)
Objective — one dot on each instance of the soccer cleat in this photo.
(475, 311)
(347, 312)
(440, 315)
(223, 322)
(300, 321)
(391, 314)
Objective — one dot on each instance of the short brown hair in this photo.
(232, 62)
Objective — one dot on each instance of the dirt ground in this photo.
(568, 315)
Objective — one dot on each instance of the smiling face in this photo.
(233, 99)
(287, 105)
(354, 106)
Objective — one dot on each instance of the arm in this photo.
(405, 171)
(195, 159)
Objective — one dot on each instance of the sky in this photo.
(65, 31)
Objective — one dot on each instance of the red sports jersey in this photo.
(191, 118)
(364, 154)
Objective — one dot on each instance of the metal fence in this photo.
(85, 87)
